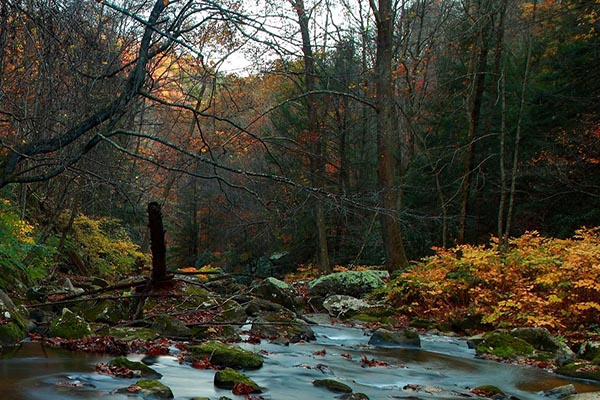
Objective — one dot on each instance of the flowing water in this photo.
(35, 372)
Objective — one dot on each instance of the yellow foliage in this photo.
(534, 281)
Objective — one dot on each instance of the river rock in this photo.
(342, 306)
(229, 378)
(383, 337)
(148, 389)
(69, 325)
(351, 283)
(332, 385)
(139, 369)
(10, 335)
(169, 326)
(560, 392)
(282, 327)
(584, 396)
(277, 291)
(547, 346)
(581, 369)
(224, 355)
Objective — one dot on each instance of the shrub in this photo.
(534, 281)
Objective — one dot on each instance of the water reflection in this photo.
(34, 371)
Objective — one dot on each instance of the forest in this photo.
(278, 134)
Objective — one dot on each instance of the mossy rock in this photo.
(590, 351)
(152, 388)
(333, 385)
(422, 323)
(129, 334)
(224, 355)
(69, 325)
(144, 370)
(383, 337)
(228, 378)
(222, 333)
(232, 311)
(10, 334)
(504, 345)
(169, 326)
(354, 396)
(282, 327)
(488, 390)
(580, 370)
(351, 283)
(277, 291)
(107, 311)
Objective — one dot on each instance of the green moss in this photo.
(152, 387)
(581, 370)
(132, 333)
(366, 318)
(10, 334)
(228, 378)
(69, 326)
(504, 345)
(333, 385)
(145, 370)
(489, 389)
(224, 355)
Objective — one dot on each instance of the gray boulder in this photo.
(383, 337)
(351, 283)
(340, 305)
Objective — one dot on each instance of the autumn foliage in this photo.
(531, 281)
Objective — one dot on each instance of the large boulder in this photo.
(224, 355)
(229, 378)
(343, 306)
(272, 289)
(535, 343)
(69, 325)
(282, 327)
(351, 283)
(383, 337)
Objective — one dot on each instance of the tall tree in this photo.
(387, 144)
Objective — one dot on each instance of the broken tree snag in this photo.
(157, 244)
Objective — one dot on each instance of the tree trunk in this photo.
(395, 255)
(317, 164)
(157, 244)
(474, 102)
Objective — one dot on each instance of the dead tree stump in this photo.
(157, 244)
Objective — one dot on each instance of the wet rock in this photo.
(560, 392)
(283, 327)
(488, 391)
(433, 391)
(332, 385)
(547, 346)
(584, 396)
(10, 335)
(231, 311)
(383, 337)
(582, 369)
(501, 343)
(69, 325)
(343, 306)
(351, 283)
(223, 355)
(272, 289)
(257, 306)
(354, 396)
(139, 369)
(229, 378)
(148, 389)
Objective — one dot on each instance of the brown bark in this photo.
(475, 100)
(386, 130)
(317, 164)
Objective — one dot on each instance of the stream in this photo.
(34, 371)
